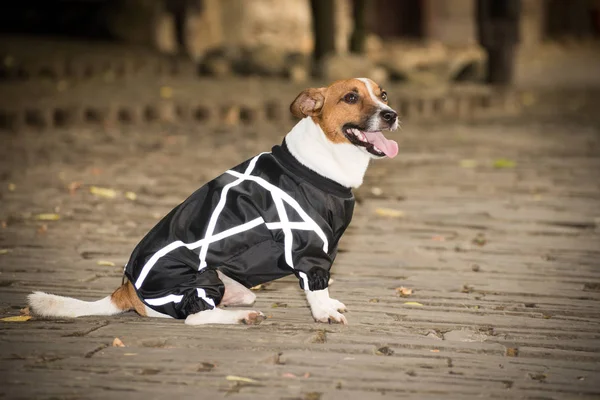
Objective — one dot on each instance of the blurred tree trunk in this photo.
(360, 8)
(323, 28)
(498, 32)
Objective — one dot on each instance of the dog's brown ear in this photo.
(308, 103)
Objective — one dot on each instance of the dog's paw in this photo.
(322, 313)
(252, 318)
(337, 305)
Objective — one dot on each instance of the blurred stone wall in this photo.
(450, 22)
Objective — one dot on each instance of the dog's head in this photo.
(351, 111)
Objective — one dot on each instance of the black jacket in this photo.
(265, 219)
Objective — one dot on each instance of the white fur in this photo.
(343, 163)
(375, 122)
(50, 305)
(236, 294)
(220, 316)
(324, 308)
(155, 314)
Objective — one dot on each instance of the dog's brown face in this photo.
(351, 111)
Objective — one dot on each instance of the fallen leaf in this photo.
(438, 238)
(384, 351)
(467, 289)
(5, 251)
(288, 375)
(468, 163)
(434, 350)
(262, 286)
(103, 192)
(73, 186)
(105, 263)
(18, 318)
(538, 377)
(42, 229)
(118, 343)
(205, 367)
(12, 187)
(130, 196)
(96, 171)
(47, 217)
(307, 374)
(389, 212)
(130, 354)
(166, 92)
(403, 292)
(376, 191)
(504, 163)
(240, 379)
(413, 303)
(373, 300)
(279, 305)
(512, 352)
(479, 240)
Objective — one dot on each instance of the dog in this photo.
(280, 213)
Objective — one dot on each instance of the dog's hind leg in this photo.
(50, 305)
(220, 316)
(236, 294)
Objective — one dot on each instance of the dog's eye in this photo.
(384, 96)
(351, 98)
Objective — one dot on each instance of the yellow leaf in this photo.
(468, 163)
(166, 92)
(130, 196)
(47, 217)
(12, 187)
(105, 263)
(19, 318)
(103, 192)
(413, 303)
(240, 379)
(504, 163)
(5, 251)
(389, 212)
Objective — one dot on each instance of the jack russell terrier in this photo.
(277, 214)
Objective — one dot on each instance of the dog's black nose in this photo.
(389, 116)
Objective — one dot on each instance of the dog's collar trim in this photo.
(287, 159)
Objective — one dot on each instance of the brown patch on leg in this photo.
(125, 298)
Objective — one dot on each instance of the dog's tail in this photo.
(50, 305)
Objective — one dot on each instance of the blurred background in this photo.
(114, 111)
(149, 51)
(53, 50)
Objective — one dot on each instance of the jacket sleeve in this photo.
(311, 266)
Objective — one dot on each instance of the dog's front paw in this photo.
(337, 305)
(323, 313)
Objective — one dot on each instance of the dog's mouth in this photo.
(373, 142)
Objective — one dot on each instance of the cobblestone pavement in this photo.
(493, 225)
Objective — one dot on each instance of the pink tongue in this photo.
(389, 147)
